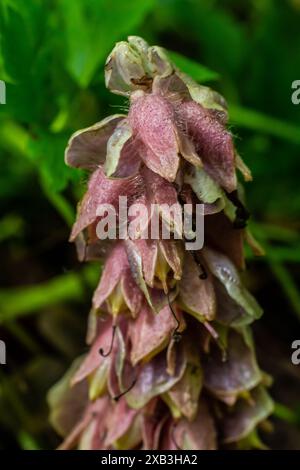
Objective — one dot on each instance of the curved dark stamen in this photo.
(241, 214)
(117, 397)
(180, 199)
(203, 273)
(101, 352)
(176, 335)
(240, 221)
(173, 429)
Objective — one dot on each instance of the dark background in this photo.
(52, 54)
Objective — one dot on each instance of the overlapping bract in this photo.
(171, 363)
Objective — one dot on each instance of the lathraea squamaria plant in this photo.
(172, 362)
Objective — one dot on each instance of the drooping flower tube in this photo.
(172, 362)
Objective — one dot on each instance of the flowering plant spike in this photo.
(172, 362)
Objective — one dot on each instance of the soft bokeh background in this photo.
(52, 54)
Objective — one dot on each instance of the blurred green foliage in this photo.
(52, 54)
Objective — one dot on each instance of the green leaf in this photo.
(47, 153)
(16, 302)
(92, 27)
(287, 284)
(27, 442)
(24, 58)
(257, 121)
(11, 226)
(198, 72)
(213, 30)
(60, 203)
(286, 414)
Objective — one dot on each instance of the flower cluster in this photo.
(172, 362)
